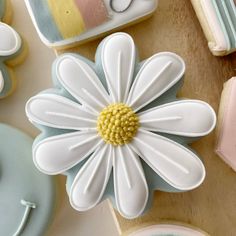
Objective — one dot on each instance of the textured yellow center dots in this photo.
(117, 124)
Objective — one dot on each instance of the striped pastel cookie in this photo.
(226, 124)
(64, 23)
(11, 50)
(218, 20)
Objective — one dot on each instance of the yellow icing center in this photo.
(117, 124)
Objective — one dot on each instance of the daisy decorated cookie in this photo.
(116, 129)
(11, 50)
(66, 23)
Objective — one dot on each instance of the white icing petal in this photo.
(158, 74)
(176, 164)
(59, 153)
(1, 81)
(191, 118)
(131, 190)
(118, 60)
(59, 112)
(10, 41)
(79, 79)
(90, 183)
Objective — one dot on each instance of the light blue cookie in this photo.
(27, 197)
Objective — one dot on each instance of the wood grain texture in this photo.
(174, 27)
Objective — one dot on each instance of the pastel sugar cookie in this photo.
(116, 129)
(27, 197)
(11, 51)
(218, 20)
(168, 230)
(226, 130)
(65, 23)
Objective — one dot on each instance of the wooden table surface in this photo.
(174, 27)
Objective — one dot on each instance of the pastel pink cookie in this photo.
(226, 143)
(168, 230)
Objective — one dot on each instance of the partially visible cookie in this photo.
(5, 11)
(168, 230)
(226, 130)
(12, 51)
(218, 21)
(27, 199)
(66, 23)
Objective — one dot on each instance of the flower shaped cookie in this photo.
(104, 117)
(10, 47)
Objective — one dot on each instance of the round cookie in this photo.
(12, 50)
(27, 198)
(168, 230)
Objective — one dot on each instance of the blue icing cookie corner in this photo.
(22, 186)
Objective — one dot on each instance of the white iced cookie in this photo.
(11, 54)
(62, 24)
(107, 116)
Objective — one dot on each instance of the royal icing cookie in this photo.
(218, 20)
(27, 197)
(63, 23)
(116, 129)
(11, 52)
(168, 230)
(226, 126)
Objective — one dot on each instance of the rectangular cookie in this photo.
(226, 141)
(65, 23)
(218, 21)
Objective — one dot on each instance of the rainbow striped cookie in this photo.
(218, 20)
(63, 23)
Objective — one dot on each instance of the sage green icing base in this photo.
(19, 179)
